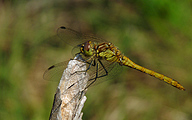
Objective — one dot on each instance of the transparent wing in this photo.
(54, 72)
(75, 38)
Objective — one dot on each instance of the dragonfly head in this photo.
(87, 49)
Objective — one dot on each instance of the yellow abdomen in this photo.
(127, 62)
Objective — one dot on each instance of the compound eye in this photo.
(87, 46)
(87, 49)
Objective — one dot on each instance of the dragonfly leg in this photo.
(97, 76)
(94, 79)
(93, 63)
(90, 64)
(103, 68)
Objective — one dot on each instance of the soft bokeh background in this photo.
(154, 34)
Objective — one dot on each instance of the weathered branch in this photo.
(69, 98)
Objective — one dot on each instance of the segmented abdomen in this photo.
(127, 62)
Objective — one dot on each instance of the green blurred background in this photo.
(154, 34)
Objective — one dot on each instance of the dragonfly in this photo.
(101, 57)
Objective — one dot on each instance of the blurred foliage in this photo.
(154, 34)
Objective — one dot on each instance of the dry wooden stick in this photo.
(70, 95)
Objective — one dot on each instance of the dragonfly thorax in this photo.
(109, 52)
